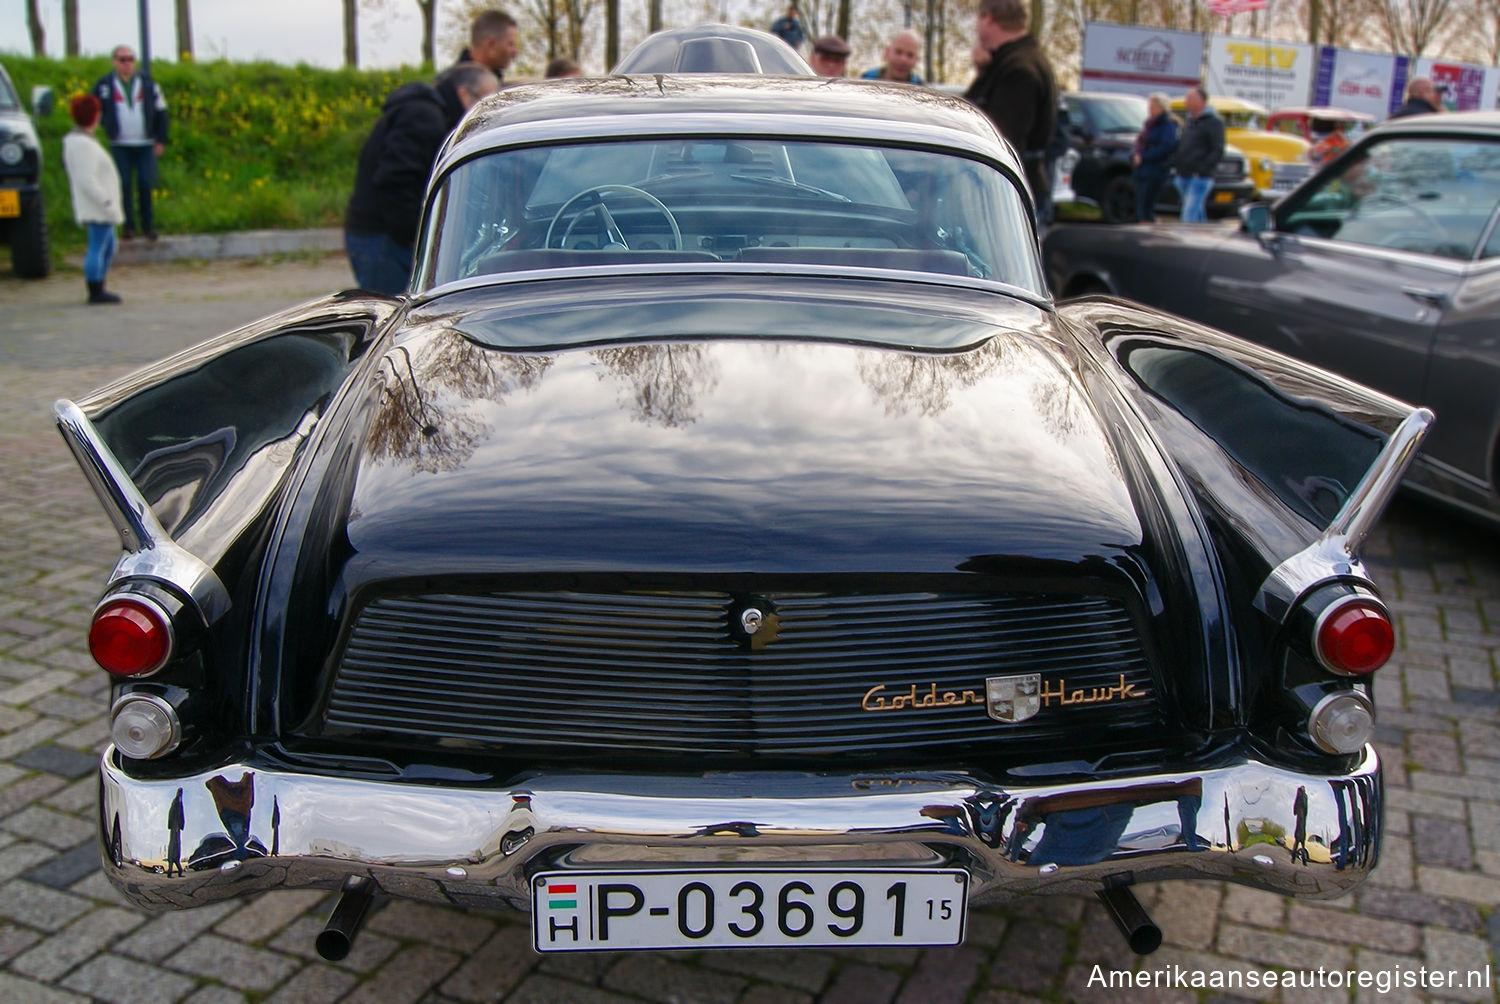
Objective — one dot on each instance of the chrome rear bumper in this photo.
(230, 832)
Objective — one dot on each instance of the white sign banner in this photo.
(1361, 81)
(1136, 60)
(1274, 74)
(1465, 87)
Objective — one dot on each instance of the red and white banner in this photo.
(1229, 8)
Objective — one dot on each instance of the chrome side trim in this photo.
(1335, 554)
(240, 829)
(149, 551)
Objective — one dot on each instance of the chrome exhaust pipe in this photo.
(1140, 931)
(348, 916)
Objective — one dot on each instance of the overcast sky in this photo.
(283, 31)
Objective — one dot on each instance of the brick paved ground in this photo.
(66, 936)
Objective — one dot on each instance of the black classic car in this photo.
(728, 542)
(1102, 128)
(1384, 266)
(23, 214)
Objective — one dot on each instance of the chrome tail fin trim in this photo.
(150, 552)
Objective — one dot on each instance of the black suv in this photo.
(1103, 128)
(23, 218)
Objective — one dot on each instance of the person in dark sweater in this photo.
(1152, 156)
(1017, 89)
(380, 224)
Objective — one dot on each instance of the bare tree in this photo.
(1412, 26)
(185, 29)
(34, 25)
(351, 34)
(70, 27)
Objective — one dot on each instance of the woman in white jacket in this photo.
(95, 182)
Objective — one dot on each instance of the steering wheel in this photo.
(609, 230)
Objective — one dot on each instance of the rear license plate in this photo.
(620, 911)
(10, 202)
(1223, 196)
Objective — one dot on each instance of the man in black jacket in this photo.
(1017, 90)
(380, 225)
(1422, 98)
(1198, 154)
(135, 120)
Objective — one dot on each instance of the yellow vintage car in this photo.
(1278, 161)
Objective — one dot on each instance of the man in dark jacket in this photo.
(492, 42)
(135, 120)
(380, 225)
(1422, 98)
(1017, 90)
(1198, 154)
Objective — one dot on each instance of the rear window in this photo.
(732, 201)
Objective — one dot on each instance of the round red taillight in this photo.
(130, 636)
(1355, 637)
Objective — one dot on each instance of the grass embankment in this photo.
(253, 145)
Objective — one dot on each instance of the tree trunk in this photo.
(185, 30)
(653, 23)
(429, 43)
(70, 27)
(34, 25)
(843, 30)
(351, 34)
(611, 32)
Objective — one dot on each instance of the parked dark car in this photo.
(727, 542)
(23, 216)
(1104, 127)
(1385, 267)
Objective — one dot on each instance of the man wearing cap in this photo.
(830, 56)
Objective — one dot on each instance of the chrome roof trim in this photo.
(668, 125)
(657, 269)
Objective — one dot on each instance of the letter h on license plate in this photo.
(622, 911)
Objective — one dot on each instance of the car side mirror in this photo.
(41, 101)
(1255, 218)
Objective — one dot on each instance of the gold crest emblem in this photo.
(1013, 698)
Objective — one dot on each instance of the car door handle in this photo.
(1431, 297)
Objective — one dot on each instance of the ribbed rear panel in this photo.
(663, 672)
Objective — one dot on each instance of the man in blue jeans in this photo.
(1198, 154)
(135, 121)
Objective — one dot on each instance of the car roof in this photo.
(713, 48)
(1485, 123)
(706, 104)
(1223, 104)
(1324, 112)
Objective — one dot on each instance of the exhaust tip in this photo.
(336, 939)
(1140, 931)
(333, 945)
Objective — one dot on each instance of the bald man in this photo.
(901, 58)
(1422, 98)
